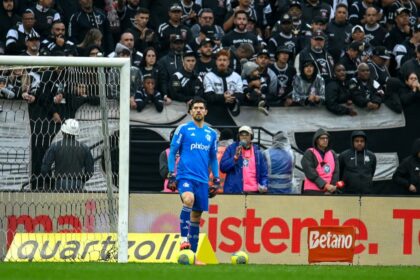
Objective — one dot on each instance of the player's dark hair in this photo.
(198, 99)
(241, 12)
(143, 11)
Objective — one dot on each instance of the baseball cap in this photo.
(245, 128)
(357, 27)
(318, 35)
(295, 3)
(188, 53)
(209, 31)
(3, 79)
(284, 49)
(177, 38)
(357, 46)
(402, 10)
(263, 52)
(320, 19)
(148, 76)
(382, 52)
(286, 18)
(175, 7)
(206, 41)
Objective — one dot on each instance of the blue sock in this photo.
(185, 218)
(194, 234)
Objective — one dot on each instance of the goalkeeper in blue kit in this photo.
(197, 147)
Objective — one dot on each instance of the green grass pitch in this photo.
(110, 271)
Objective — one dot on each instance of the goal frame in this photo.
(123, 64)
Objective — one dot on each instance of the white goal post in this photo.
(123, 64)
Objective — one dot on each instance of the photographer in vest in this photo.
(320, 165)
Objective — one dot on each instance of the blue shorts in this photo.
(200, 191)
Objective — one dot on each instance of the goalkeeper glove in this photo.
(172, 181)
(213, 189)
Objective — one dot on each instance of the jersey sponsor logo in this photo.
(199, 146)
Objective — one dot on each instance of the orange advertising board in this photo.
(331, 244)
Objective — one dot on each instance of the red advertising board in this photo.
(331, 244)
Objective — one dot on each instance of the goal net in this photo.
(63, 187)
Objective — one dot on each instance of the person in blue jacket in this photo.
(244, 165)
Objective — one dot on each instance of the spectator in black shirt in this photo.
(407, 49)
(190, 10)
(318, 24)
(206, 18)
(219, 9)
(15, 38)
(312, 8)
(127, 39)
(86, 19)
(205, 63)
(337, 94)
(44, 17)
(171, 28)
(317, 53)
(56, 44)
(412, 65)
(32, 44)
(143, 36)
(149, 95)
(358, 9)
(171, 63)
(283, 37)
(239, 34)
(407, 176)
(400, 94)
(243, 5)
(285, 74)
(375, 34)
(366, 92)
(351, 59)
(127, 10)
(8, 18)
(185, 84)
(401, 30)
(339, 32)
(357, 166)
(378, 65)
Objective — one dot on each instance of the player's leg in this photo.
(201, 204)
(195, 229)
(187, 197)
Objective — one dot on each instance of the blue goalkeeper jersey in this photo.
(197, 149)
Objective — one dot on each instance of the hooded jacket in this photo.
(280, 163)
(408, 172)
(233, 169)
(309, 162)
(304, 87)
(357, 168)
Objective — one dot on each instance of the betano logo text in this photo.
(333, 241)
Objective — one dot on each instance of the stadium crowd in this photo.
(262, 53)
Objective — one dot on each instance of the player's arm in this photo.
(175, 144)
